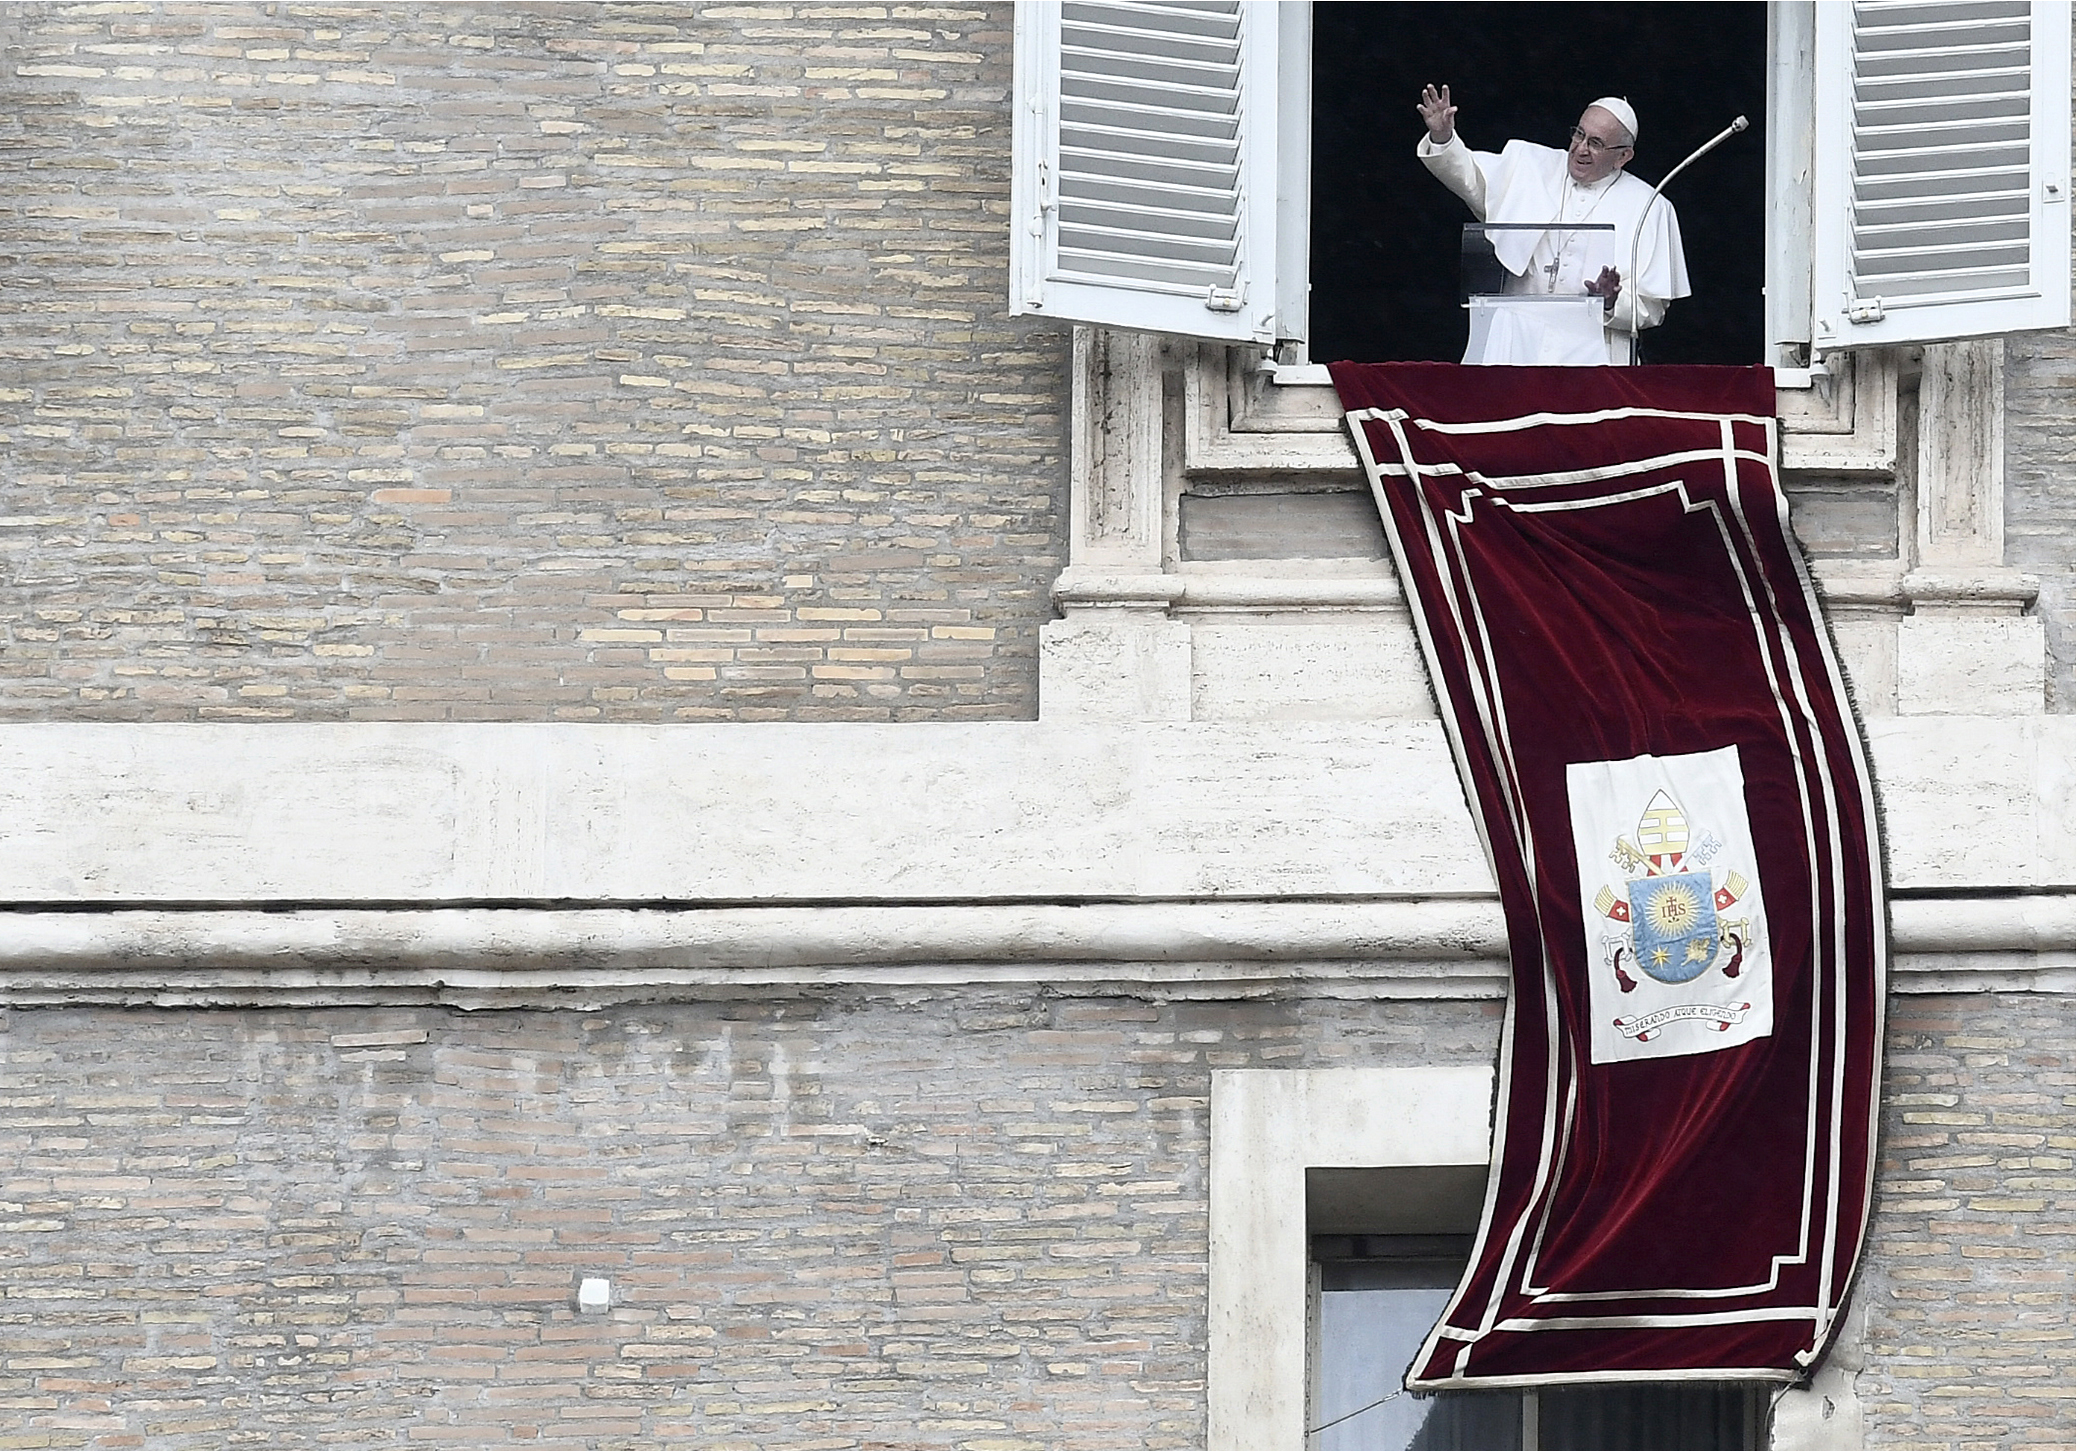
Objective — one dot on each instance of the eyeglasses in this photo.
(1594, 143)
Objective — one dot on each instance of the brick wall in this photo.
(1967, 1282)
(967, 1220)
(579, 362)
(628, 362)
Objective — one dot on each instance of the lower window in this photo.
(1374, 1299)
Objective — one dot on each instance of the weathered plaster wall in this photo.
(632, 362)
(2041, 489)
(973, 1220)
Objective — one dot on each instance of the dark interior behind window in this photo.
(1386, 234)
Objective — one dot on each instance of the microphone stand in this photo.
(1637, 232)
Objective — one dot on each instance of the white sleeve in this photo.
(1634, 312)
(1456, 166)
(1662, 273)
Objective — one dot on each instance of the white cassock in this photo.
(1530, 183)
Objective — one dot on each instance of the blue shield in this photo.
(1673, 925)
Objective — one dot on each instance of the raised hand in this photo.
(1608, 287)
(1438, 114)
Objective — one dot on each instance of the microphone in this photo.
(1637, 232)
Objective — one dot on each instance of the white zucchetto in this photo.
(1622, 110)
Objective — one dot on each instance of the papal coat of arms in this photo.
(1678, 920)
(1673, 901)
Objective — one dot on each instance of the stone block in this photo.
(1114, 665)
(1960, 662)
(1319, 665)
(1868, 658)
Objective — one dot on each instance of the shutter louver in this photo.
(1950, 171)
(1940, 129)
(1150, 114)
(1145, 184)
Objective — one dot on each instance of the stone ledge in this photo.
(593, 957)
(1993, 589)
(106, 816)
(1092, 589)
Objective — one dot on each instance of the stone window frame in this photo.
(1268, 1127)
(1133, 452)
(1153, 416)
(1243, 417)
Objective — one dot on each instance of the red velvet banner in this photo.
(1659, 752)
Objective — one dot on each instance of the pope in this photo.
(1584, 183)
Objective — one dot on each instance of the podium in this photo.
(1537, 332)
(1511, 322)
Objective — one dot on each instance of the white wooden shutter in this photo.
(1145, 186)
(1942, 170)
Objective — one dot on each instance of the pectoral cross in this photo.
(1550, 274)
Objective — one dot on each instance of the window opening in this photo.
(1677, 1417)
(1378, 1297)
(1374, 1297)
(1386, 235)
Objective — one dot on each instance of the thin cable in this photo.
(1357, 1412)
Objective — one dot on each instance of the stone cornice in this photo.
(589, 957)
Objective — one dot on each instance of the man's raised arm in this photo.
(1438, 114)
(1447, 157)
